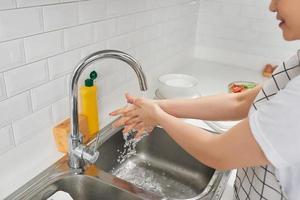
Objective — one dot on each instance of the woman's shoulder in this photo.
(292, 67)
(288, 72)
(293, 61)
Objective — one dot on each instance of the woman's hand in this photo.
(142, 115)
(121, 112)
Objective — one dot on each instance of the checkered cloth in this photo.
(261, 182)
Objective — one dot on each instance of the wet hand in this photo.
(120, 112)
(140, 116)
(144, 117)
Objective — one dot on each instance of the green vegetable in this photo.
(249, 85)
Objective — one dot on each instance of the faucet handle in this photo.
(86, 154)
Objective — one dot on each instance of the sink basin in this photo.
(158, 169)
(91, 184)
(159, 165)
(83, 187)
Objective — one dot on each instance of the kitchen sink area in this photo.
(66, 65)
(158, 169)
(82, 187)
(159, 165)
(117, 167)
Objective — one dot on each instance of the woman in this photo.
(264, 146)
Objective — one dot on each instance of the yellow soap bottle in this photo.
(89, 108)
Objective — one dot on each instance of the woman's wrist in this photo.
(158, 102)
(161, 104)
(160, 116)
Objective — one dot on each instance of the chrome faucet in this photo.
(79, 153)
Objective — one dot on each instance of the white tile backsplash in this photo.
(41, 42)
(26, 77)
(7, 4)
(173, 12)
(126, 24)
(105, 29)
(122, 42)
(7, 140)
(136, 5)
(152, 32)
(60, 16)
(143, 17)
(12, 54)
(157, 15)
(78, 36)
(231, 9)
(48, 93)
(14, 108)
(2, 88)
(63, 64)
(246, 28)
(139, 37)
(70, 0)
(265, 26)
(27, 3)
(257, 12)
(93, 48)
(20, 22)
(61, 110)
(117, 8)
(141, 27)
(43, 45)
(90, 11)
(32, 125)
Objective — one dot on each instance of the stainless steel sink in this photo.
(83, 187)
(159, 165)
(160, 169)
(92, 184)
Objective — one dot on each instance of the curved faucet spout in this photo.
(75, 138)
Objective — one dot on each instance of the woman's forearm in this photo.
(197, 142)
(234, 149)
(220, 107)
(217, 107)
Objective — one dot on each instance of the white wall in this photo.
(40, 43)
(242, 33)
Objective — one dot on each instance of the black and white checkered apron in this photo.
(261, 182)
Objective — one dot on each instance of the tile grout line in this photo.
(30, 100)
(4, 87)
(13, 135)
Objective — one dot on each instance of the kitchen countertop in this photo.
(213, 78)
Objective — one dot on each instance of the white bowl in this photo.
(174, 86)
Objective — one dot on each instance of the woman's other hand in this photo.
(120, 112)
(142, 115)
